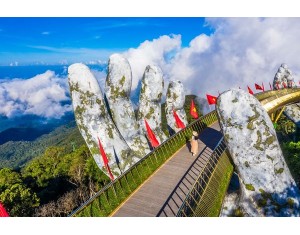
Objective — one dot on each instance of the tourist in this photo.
(194, 143)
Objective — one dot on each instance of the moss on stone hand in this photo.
(249, 187)
(258, 142)
(262, 202)
(150, 113)
(175, 96)
(290, 202)
(270, 158)
(238, 213)
(122, 81)
(279, 171)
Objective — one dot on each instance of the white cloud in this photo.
(41, 95)
(101, 77)
(153, 52)
(45, 33)
(240, 52)
(16, 63)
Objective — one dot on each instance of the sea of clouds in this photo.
(240, 52)
(44, 95)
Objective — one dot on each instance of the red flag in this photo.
(154, 142)
(284, 85)
(179, 123)
(258, 87)
(193, 110)
(105, 159)
(270, 86)
(250, 91)
(211, 99)
(277, 86)
(3, 212)
(263, 87)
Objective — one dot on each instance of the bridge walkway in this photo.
(163, 193)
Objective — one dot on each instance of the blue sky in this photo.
(60, 40)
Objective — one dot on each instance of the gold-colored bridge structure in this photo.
(170, 182)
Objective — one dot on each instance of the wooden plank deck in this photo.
(163, 193)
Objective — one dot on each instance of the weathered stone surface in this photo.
(94, 122)
(117, 90)
(283, 76)
(150, 101)
(175, 100)
(267, 187)
(230, 204)
(293, 112)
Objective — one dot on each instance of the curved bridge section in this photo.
(169, 182)
(280, 98)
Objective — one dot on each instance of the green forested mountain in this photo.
(15, 154)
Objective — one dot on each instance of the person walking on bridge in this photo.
(194, 143)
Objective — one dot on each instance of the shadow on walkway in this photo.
(210, 137)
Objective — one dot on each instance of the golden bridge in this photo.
(170, 182)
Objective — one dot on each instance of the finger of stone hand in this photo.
(93, 121)
(175, 101)
(150, 101)
(117, 90)
(293, 112)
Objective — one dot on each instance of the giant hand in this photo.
(113, 124)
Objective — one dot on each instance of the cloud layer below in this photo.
(44, 95)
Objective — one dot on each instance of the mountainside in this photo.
(15, 154)
(21, 134)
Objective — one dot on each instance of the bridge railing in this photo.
(206, 195)
(275, 93)
(105, 201)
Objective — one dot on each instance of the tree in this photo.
(41, 170)
(291, 152)
(187, 106)
(19, 200)
(8, 178)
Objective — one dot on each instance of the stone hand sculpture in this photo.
(113, 124)
(150, 101)
(117, 90)
(283, 78)
(266, 185)
(175, 100)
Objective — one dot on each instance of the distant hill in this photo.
(21, 134)
(15, 154)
